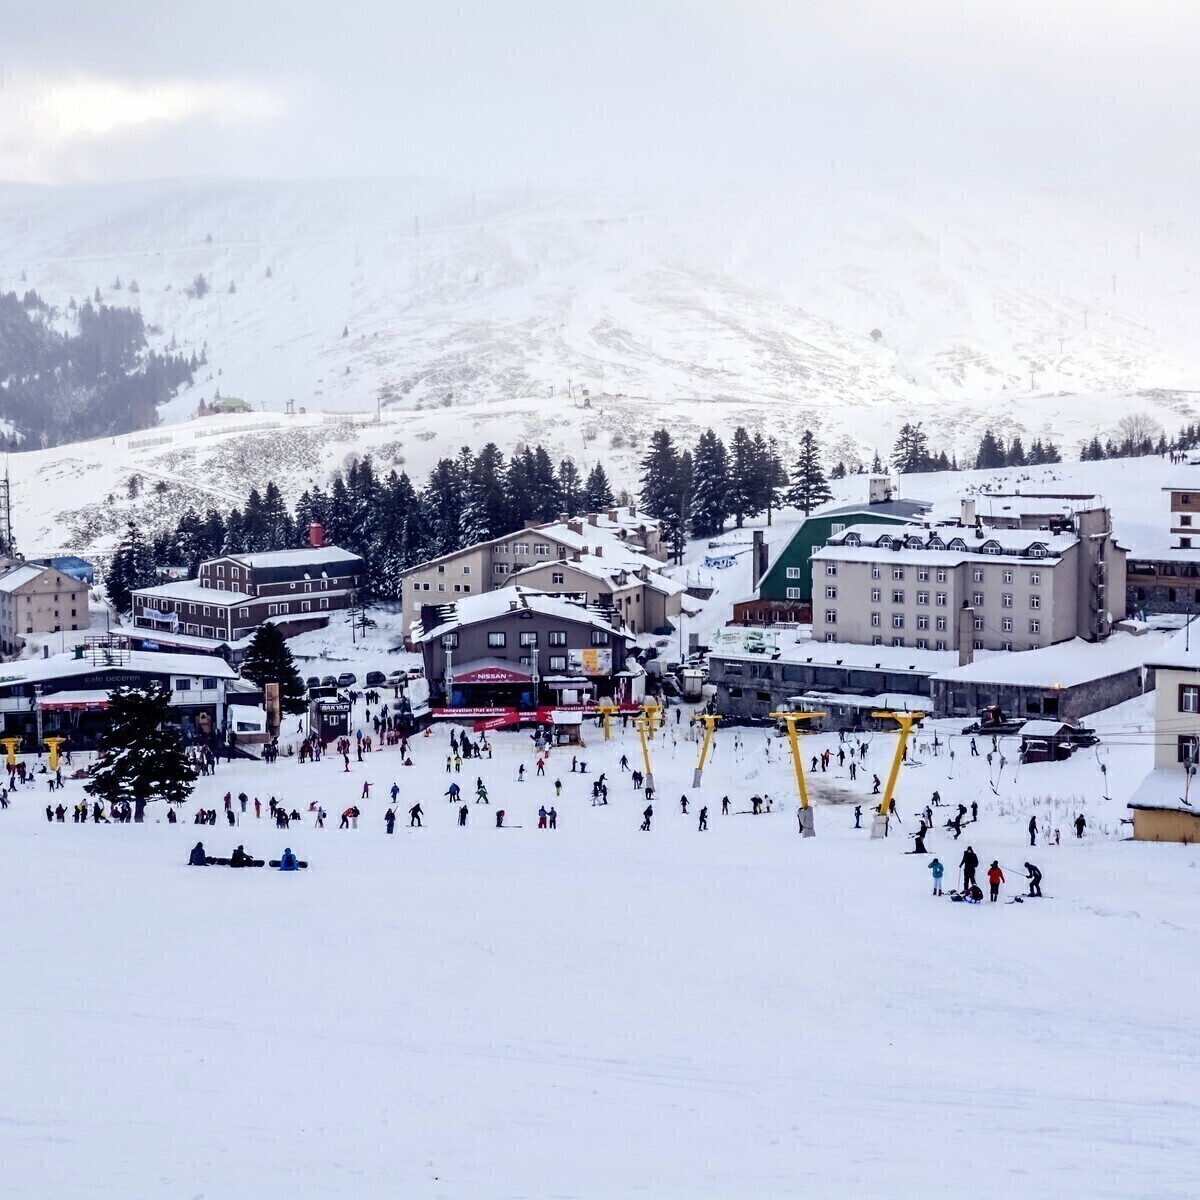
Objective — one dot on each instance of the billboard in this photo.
(595, 661)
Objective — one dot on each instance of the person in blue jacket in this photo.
(288, 861)
(197, 857)
(938, 871)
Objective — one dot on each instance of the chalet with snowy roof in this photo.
(511, 654)
(235, 593)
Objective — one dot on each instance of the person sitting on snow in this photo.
(288, 861)
(198, 858)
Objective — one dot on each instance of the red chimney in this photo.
(316, 535)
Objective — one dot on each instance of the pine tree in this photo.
(141, 756)
(745, 491)
(876, 464)
(675, 520)
(839, 471)
(710, 494)
(268, 660)
(659, 470)
(809, 485)
(1016, 453)
(774, 473)
(597, 493)
(991, 452)
(910, 455)
(570, 487)
(132, 567)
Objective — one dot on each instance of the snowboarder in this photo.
(462, 815)
(858, 816)
(1033, 831)
(704, 818)
(197, 857)
(1080, 825)
(500, 818)
(521, 773)
(875, 785)
(646, 816)
(969, 862)
(1035, 879)
(389, 819)
(724, 806)
(414, 816)
(288, 861)
(938, 871)
(454, 791)
(995, 879)
(683, 802)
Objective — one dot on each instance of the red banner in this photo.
(494, 718)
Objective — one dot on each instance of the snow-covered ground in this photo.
(597, 1011)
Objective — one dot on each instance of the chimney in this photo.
(643, 573)
(967, 511)
(562, 518)
(574, 555)
(598, 551)
(575, 526)
(966, 635)
(316, 535)
(633, 510)
(591, 518)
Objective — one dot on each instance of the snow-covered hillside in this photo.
(1032, 314)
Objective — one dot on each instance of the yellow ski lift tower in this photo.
(641, 725)
(790, 718)
(607, 709)
(906, 720)
(10, 744)
(652, 709)
(53, 744)
(710, 727)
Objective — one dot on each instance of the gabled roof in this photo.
(193, 590)
(906, 509)
(491, 606)
(20, 576)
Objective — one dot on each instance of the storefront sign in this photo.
(590, 662)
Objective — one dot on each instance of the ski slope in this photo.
(599, 1011)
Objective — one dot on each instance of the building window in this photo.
(209, 683)
(1035, 577)
(977, 644)
(220, 571)
(325, 602)
(520, 547)
(922, 643)
(897, 596)
(977, 575)
(831, 568)
(831, 592)
(978, 623)
(831, 616)
(941, 574)
(1006, 625)
(977, 599)
(941, 599)
(599, 637)
(875, 572)
(922, 621)
(497, 641)
(1035, 602)
(793, 593)
(897, 641)
(876, 595)
(1185, 520)
(558, 637)
(837, 528)
(1008, 577)
(306, 606)
(922, 597)
(897, 620)
(1037, 552)
(557, 576)
(1006, 645)
(466, 570)
(831, 637)
(541, 548)
(558, 662)
(458, 587)
(877, 640)
(941, 624)
(793, 572)
(1189, 698)
(1185, 543)
(529, 637)
(497, 569)
(875, 620)
(450, 641)
(183, 685)
(1185, 498)
(1006, 600)
(897, 572)
(441, 587)
(441, 570)
(940, 645)
(1035, 627)
(923, 574)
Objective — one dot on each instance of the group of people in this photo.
(971, 892)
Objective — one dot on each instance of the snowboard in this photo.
(299, 863)
(224, 862)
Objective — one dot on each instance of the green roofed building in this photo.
(785, 591)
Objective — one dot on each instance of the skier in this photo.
(346, 818)
(969, 862)
(542, 815)
(541, 766)
(704, 818)
(366, 792)
(858, 816)
(683, 802)
(936, 800)
(414, 816)
(974, 810)
(500, 818)
(197, 857)
(938, 871)
(646, 816)
(395, 791)
(624, 763)
(462, 815)
(1033, 831)
(1080, 825)
(724, 806)
(481, 796)
(454, 791)
(521, 773)
(288, 861)
(257, 807)
(1035, 879)
(389, 819)
(853, 770)
(553, 817)
(995, 879)
(558, 787)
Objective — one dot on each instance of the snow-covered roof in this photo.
(1000, 506)
(974, 541)
(489, 606)
(850, 654)
(604, 569)
(59, 666)
(1043, 729)
(20, 576)
(902, 701)
(1065, 664)
(1185, 479)
(1179, 651)
(192, 590)
(307, 557)
(1164, 788)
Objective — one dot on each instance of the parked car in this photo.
(347, 679)
(396, 678)
(329, 681)
(376, 679)
(313, 681)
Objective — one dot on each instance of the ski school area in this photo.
(596, 1009)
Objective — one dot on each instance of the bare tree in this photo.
(1137, 427)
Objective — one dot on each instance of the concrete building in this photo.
(37, 599)
(964, 587)
(633, 596)
(514, 651)
(1166, 803)
(620, 536)
(235, 593)
(1164, 572)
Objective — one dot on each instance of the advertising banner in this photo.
(596, 661)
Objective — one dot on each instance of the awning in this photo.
(491, 670)
(79, 701)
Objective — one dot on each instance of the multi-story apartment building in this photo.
(37, 599)
(963, 588)
(620, 537)
(235, 593)
(1164, 572)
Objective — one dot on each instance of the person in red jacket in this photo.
(995, 879)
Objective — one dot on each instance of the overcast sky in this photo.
(648, 93)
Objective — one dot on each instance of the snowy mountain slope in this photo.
(761, 306)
